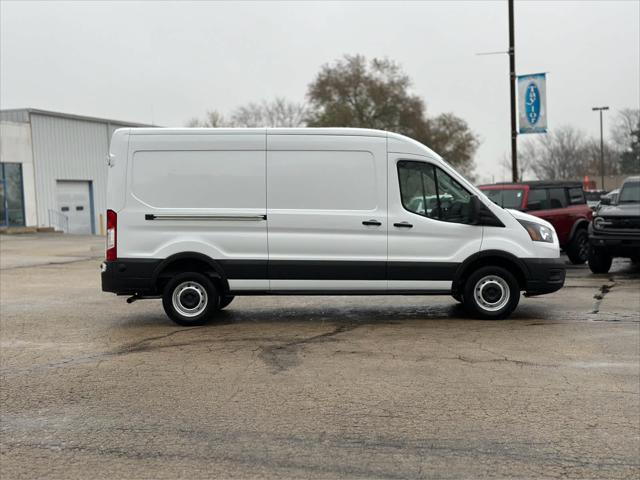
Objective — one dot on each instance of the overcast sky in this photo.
(166, 62)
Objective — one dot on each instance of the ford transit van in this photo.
(198, 216)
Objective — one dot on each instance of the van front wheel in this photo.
(491, 293)
(189, 299)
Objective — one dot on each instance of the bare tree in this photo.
(276, 113)
(593, 161)
(625, 134)
(524, 162)
(559, 155)
(213, 119)
(452, 138)
(625, 122)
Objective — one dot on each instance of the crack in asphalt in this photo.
(285, 356)
(521, 363)
(141, 345)
(135, 347)
(279, 357)
(600, 294)
(380, 446)
(48, 264)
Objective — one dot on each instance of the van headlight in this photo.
(537, 231)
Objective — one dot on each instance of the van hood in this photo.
(518, 215)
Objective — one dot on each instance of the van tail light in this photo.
(112, 235)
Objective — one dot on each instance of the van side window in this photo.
(418, 188)
(557, 198)
(428, 191)
(455, 201)
(537, 199)
(576, 196)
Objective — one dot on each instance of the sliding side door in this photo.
(327, 212)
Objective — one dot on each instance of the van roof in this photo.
(407, 145)
(366, 132)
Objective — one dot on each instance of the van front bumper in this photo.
(546, 275)
(129, 277)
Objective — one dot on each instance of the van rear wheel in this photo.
(190, 299)
(491, 293)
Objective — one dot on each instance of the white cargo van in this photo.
(198, 216)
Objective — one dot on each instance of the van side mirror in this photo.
(481, 215)
(605, 201)
(476, 205)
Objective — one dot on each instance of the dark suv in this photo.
(563, 204)
(615, 231)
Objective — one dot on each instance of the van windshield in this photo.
(511, 198)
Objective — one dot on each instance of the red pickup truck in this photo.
(563, 204)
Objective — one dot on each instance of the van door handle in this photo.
(403, 225)
(372, 223)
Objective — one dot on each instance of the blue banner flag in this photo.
(532, 103)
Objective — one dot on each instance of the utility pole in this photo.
(601, 109)
(512, 83)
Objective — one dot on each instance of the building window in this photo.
(11, 195)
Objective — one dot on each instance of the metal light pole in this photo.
(512, 84)
(600, 109)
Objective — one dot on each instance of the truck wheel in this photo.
(189, 299)
(599, 260)
(225, 300)
(491, 293)
(578, 249)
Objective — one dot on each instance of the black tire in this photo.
(457, 297)
(225, 300)
(199, 295)
(599, 260)
(500, 289)
(578, 248)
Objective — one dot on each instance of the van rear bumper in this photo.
(129, 276)
(546, 275)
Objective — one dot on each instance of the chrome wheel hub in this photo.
(189, 299)
(492, 293)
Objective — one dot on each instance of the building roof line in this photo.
(73, 116)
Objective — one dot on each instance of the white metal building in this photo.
(53, 170)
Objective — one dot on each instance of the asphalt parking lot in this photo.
(311, 387)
